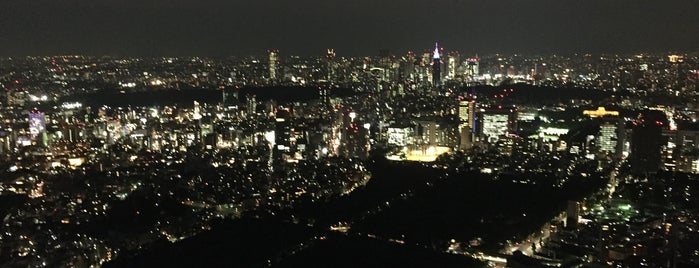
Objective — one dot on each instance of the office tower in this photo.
(573, 214)
(282, 134)
(409, 62)
(473, 65)
(685, 145)
(609, 139)
(646, 140)
(466, 117)
(645, 148)
(467, 114)
(273, 63)
(356, 141)
(331, 64)
(463, 112)
(37, 123)
(425, 72)
(399, 135)
(452, 64)
(496, 123)
(252, 105)
(436, 66)
(427, 132)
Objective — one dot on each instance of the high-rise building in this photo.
(436, 66)
(467, 113)
(331, 64)
(355, 141)
(252, 104)
(496, 123)
(466, 117)
(273, 63)
(463, 112)
(409, 67)
(425, 73)
(282, 134)
(452, 64)
(573, 214)
(688, 144)
(399, 135)
(610, 137)
(436, 133)
(472, 66)
(37, 123)
(646, 140)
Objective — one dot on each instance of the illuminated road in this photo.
(541, 237)
(538, 238)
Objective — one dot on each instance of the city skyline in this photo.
(485, 161)
(309, 133)
(218, 28)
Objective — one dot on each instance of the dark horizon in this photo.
(215, 28)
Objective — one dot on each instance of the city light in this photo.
(508, 159)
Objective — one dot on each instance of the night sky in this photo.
(352, 27)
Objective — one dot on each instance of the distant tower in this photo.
(473, 66)
(573, 214)
(452, 64)
(37, 124)
(646, 142)
(425, 72)
(436, 66)
(466, 114)
(409, 68)
(610, 138)
(252, 105)
(332, 65)
(273, 63)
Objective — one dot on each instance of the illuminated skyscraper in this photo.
(436, 66)
(463, 112)
(252, 104)
(283, 130)
(573, 214)
(409, 66)
(473, 66)
(682, 146)
(425, 71)
(332, 64)
(273, 63)
(466, 118)
(609, 138)
(497, 123)
(452, 64)
(37, 124)
(467, 113)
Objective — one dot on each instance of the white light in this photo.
(270, 137)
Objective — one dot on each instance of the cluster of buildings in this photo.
(70, 166)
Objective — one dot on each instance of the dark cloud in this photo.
(357, 27)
